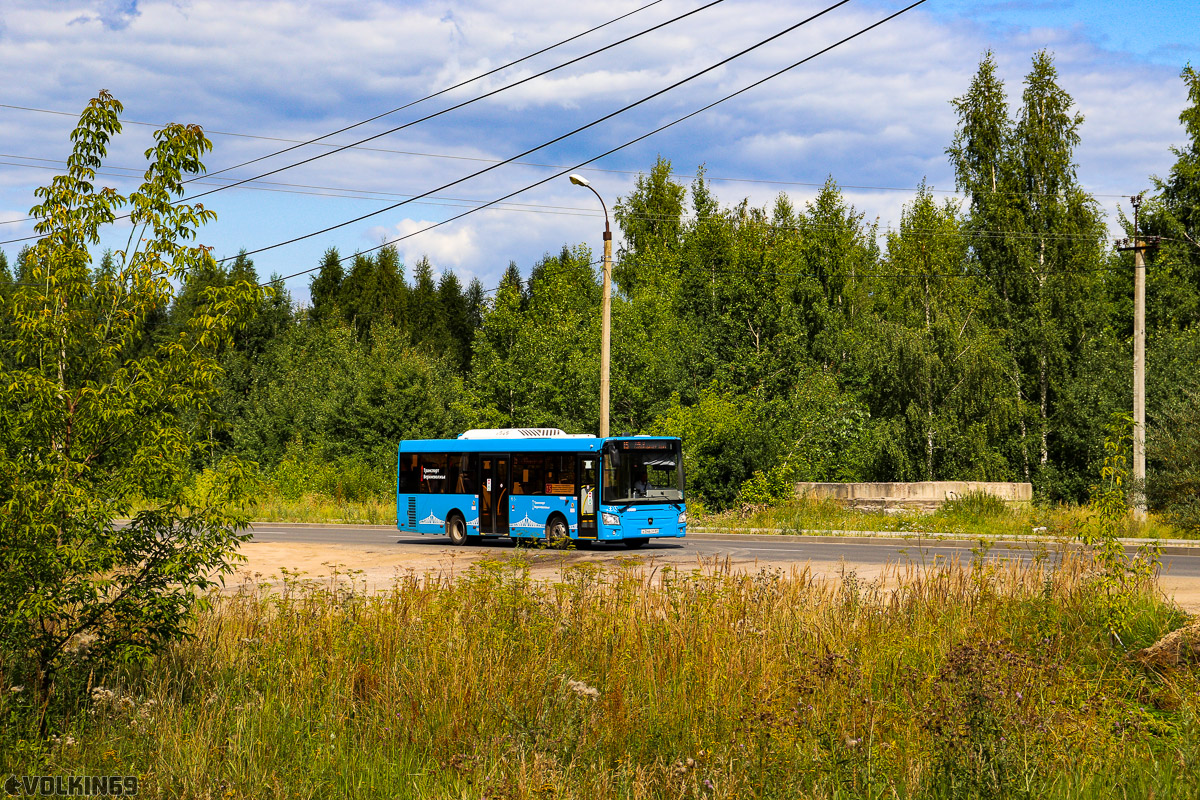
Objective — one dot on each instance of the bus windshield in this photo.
(642, 471)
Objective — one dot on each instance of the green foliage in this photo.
(1035, 238)
(1173, 280)
(975, 505)
(1173, 487)
(352, 478)
(93, 414)
(981, 342)
(325, 288)
(747, 449)
(335, 397)
(1119, 575)
(939, 371)
(651, 218)
(536, 358)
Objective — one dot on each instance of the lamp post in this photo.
(606, 308)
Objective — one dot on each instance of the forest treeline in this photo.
(987, 338)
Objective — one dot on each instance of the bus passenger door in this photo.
(493, 494)
(589, 495)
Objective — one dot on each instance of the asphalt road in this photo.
(1180, 562)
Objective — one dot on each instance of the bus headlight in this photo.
(610, 519)
(682, 517)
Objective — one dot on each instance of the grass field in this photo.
(954, 681)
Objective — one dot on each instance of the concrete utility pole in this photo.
(1139, 247)
(606, 308)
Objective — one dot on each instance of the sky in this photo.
(873, 114)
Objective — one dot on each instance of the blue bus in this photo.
(541, 483)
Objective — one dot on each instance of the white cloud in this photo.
(873, 113)
(446, 247)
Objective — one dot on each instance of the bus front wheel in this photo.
(634, 544)
(456, 529)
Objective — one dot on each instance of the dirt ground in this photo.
(374, 567)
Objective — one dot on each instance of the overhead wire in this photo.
(544, 208)
(586, 126)
(496, 203)
(302, 143)
(340, 148)
(631, 142)
(472, 100)
(605, 170)
(448, 89)
(335, 192)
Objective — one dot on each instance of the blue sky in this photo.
(873, 114)
(1165, 32)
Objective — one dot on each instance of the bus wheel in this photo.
(456, 529)
(557, 534)
(634, 544)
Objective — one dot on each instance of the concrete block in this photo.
(921, 495)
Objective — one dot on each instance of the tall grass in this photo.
(972, 514)
(952, 681)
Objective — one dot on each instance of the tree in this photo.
(319, 392)
(651, 219)
(1173, 323)
(1173, 285)
(1036, 237)
(536, 359)
(429, 323)
(937, 376)
(6, 290)
(325, 288)
(6, 278)
(85, 423)
(456, 315)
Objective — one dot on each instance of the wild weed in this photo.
(943, 681)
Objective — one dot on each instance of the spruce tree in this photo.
(429, 325)
(390, 302)
(325, 288)
(453, 304)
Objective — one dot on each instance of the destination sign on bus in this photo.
(642, 444)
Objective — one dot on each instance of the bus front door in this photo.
(493, 494)
(589, 495)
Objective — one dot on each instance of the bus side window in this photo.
(408, 477)
(529, 473)
(560, 474)
(433, 474)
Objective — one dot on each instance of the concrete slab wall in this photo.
(924, 495)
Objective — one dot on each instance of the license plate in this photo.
(649, 531)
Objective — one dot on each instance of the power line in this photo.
(327, 191)
(459, 85)
(591, 124)
(465, 103)
(643, 136)
(543, 208)
(506, 87)
(605, 170)
(203, 180)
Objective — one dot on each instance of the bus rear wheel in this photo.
(557, 533)
(634, 544)
(456, 529)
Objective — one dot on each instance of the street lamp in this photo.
(606, 308)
